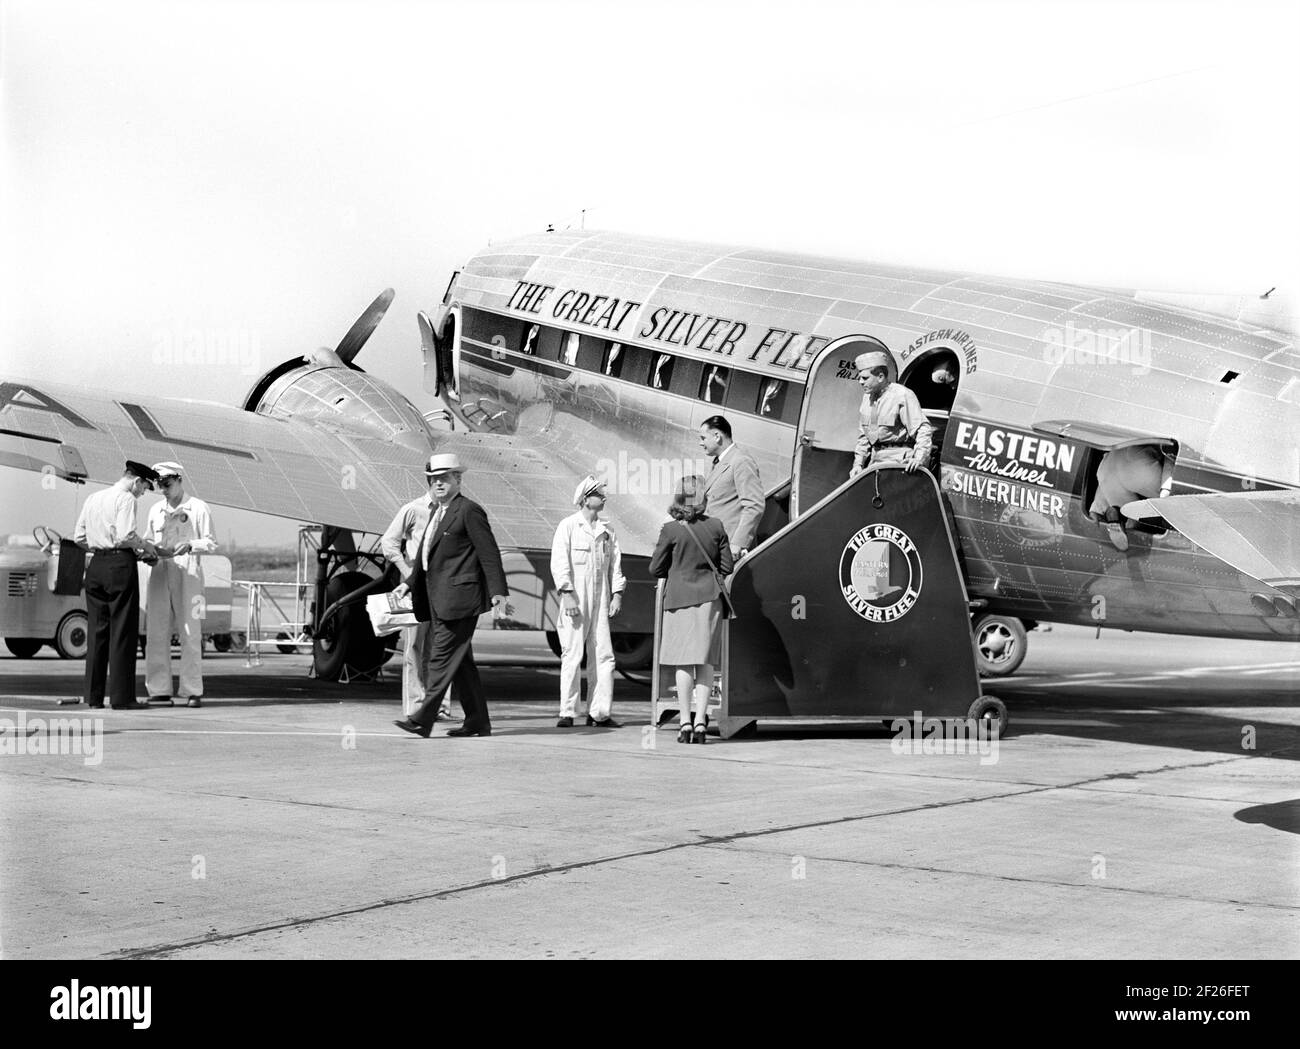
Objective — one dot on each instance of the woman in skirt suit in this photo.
(691, 636)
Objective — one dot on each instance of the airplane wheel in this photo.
(991, 709)
(553, 639)
(633, 651)
(72, 637)
(347, 638)
(24, 647)
(1000, 645)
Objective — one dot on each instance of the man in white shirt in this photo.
(401, 546)
(586, 566)
(107, 528)
(180, 527)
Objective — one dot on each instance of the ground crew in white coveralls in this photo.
(586, 565)
(181, 529)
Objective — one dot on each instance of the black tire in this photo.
(1000, 644)
(24, 647)
(633, 651)
(221, 642)
(347, 639)
(990, 708)
(288, 650)
(72, 638)
(553, 639)
(239, 641)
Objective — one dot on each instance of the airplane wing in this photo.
(1258, 533)
(310, 470)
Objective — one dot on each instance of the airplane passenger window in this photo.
(613, 363)
(549, 344)
(771, 397)
(570, 355)
(591, 352)
(713, 386)
(661, 372)
(530, 341)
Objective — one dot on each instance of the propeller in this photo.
(364, 327)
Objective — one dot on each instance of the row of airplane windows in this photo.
(731, 389)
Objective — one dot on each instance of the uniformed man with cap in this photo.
(457, 567)
(107, 528)
(892, 427)
(587, 568)
(180, 527)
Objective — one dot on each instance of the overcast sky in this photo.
(258, 172)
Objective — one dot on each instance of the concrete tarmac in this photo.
(1145, 805)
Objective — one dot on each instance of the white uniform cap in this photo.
(875, 359)
(586, 487)
(163, 469)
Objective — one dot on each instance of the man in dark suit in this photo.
(735, 493)
(458, 566)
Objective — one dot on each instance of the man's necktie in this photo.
(430, 532)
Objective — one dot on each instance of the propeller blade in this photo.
(364, 327)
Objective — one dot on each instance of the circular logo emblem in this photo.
(880, 573)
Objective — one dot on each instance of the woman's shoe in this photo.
(684, 734)
(699, 734)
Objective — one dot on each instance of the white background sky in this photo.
(260, 171)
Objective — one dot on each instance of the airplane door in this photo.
(828, 422)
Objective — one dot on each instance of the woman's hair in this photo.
(689, 501)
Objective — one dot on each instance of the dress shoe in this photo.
(407, 725)
(468, 731)
(567, 723)
(1117, 535)
(605, 723)
(133, 705)
(161, 701)
(92, 706)
(194, 701)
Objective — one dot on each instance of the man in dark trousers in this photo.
(108, 528)
(458, 567)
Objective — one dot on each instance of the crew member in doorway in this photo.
(180, 528)
(107, 527)
(587, 567)
(1140, 471)
(892, 426)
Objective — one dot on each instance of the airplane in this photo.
(563, 353)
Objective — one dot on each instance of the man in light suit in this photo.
(457, 567)
(733, 488)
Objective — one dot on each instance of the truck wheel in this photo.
(993, 710)
(1000, 645)
(72, 637)
(288, 650)
(24, 647)
(221, 642)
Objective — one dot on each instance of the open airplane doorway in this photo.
(934, 377)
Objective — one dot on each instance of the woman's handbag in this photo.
(728, 609)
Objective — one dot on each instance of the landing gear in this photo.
(346, 638)
(1000, 644)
